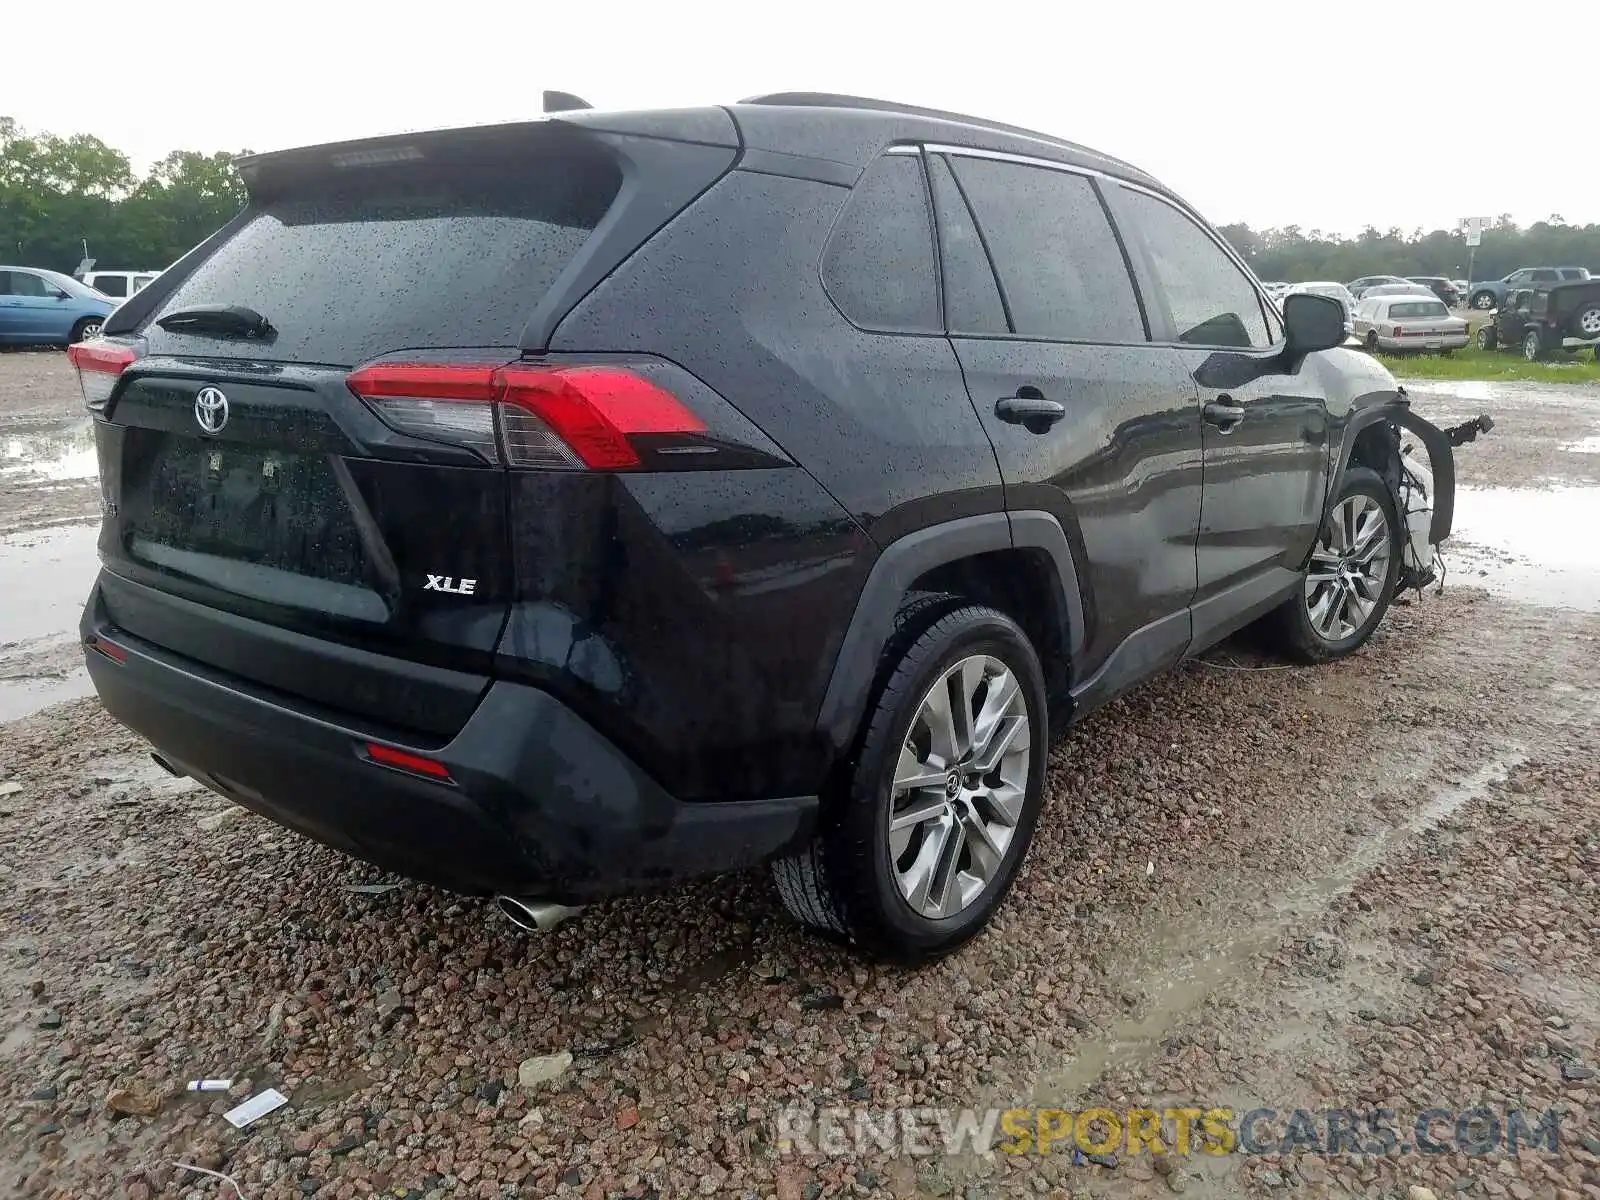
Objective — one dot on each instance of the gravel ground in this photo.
(1366, 885)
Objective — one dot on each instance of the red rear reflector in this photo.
(562, 417)
(390, 757)
(99, 365)
(110, 649)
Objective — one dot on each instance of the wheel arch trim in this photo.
(889, 580)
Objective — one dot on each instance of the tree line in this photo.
(58, 192)
(1294, 255)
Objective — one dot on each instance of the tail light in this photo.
(100, 364)
(527, 415)
(1395, 331)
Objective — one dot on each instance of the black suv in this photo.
(1541, 321)
(566, 508)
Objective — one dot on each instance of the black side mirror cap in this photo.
(1312, 322)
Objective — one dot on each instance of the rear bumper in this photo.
(1444, 341)
(538, 803)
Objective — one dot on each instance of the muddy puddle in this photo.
(57, 452)
(1535, 545)
(48, 572)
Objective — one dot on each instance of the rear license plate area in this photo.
(270, 508)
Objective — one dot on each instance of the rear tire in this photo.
(1532, 346)
(1351, 578)
(923, 840)
(1372, 339)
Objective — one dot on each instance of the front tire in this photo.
(926, 835)
(1532, 346)
(85, 329)
(1488, 339)
(1483, 300)
(1352, 575)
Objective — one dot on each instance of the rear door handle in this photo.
(1030, 409)
(1223, 413)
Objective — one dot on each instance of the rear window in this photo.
(455, 250)
(1419, 309)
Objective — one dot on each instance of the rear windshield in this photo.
(449, 251)
(1422, 308)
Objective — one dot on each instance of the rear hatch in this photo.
(264, 518)
(1428, 322)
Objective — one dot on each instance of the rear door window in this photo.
(1211, 301)
(455, 250)
(1062, 273)
(878, 265)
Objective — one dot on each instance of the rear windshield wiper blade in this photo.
(232, 319)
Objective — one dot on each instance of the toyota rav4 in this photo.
(568, 508)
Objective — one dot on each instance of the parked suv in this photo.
(1493, 293)
(708, 488)
(1539, 321)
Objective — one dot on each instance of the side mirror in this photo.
(1312, 323)
(60, 295)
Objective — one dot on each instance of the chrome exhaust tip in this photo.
(535, 916)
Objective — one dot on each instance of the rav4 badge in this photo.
(444, 583)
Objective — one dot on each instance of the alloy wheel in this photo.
(1348, 568)
(1589, 322)
(1530, 347)
(1485, 300)
(91, 330)
(959, 786)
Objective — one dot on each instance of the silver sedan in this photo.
(1408, 323)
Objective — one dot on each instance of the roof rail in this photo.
(833, 100)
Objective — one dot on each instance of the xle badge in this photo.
(444, 583)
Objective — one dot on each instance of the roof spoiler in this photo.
(563, 102)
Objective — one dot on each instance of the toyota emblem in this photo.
(211, 409)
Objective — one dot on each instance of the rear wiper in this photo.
(232, 319)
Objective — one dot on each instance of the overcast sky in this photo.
(1274, 112)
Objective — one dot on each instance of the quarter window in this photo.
(972, 301)
(1211, 301)
(878, 266)
(1062, 273)
(111, 285)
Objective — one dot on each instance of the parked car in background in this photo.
(1540, 321)
(1461, 288)
(1326, 287)
(1276, 289)
(47, 308)
(1408, 323)
(1406, 288)
(1358, 287)
(119, 285)
(607, 591)
(1492, 293)
(1440, 286)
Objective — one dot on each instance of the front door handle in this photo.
(1223, 413)
(1030, 409)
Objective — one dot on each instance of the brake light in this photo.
(573, 418)
(100, 364)
(403, 760)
